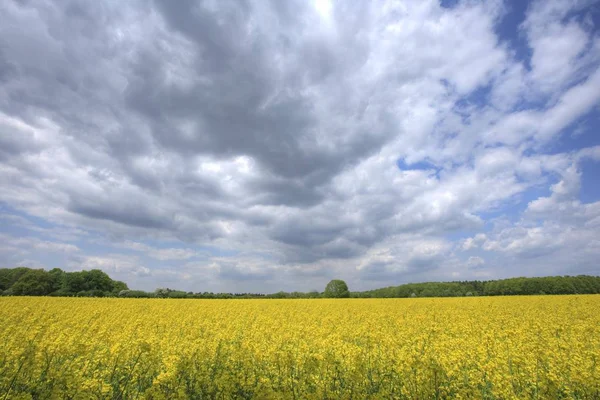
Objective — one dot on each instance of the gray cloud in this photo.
(276, 128)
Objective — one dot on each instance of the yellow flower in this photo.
(503, 347)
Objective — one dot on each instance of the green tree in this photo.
(74, 283)
(336, 289)
(36, 282)
(96, 279)
(8, 277)
(57, 277)
(162, 292)
(118, 286)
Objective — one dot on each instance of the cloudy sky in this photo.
(259, 145)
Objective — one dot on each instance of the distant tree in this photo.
(178, 294)
(162, 292)
(119, 286)
(57, 276)
(36, 282)
(96, 279)
(336, 289)
(136, 293)
(9, 276)
(278, 295)
(74, 283)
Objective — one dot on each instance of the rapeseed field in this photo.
(545, 347)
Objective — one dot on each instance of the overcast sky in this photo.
(258, 146)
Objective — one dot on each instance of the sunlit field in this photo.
(497, 348)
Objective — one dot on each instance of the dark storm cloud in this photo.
(252, 96)
(236, 272)
(399, 267)
(129, 214)
(245, 103)
(226, 107)
(12, 146)
(7, 69)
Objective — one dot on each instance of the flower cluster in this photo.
(544, 347)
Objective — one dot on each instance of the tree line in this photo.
(24, 281)
(581, 284)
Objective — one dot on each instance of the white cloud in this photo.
(162, 254)
(31, 243)
(475, 261)
(173, 254)
(474, 242)
(114, 264)
(556, 230)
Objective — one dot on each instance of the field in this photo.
(542, 347)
